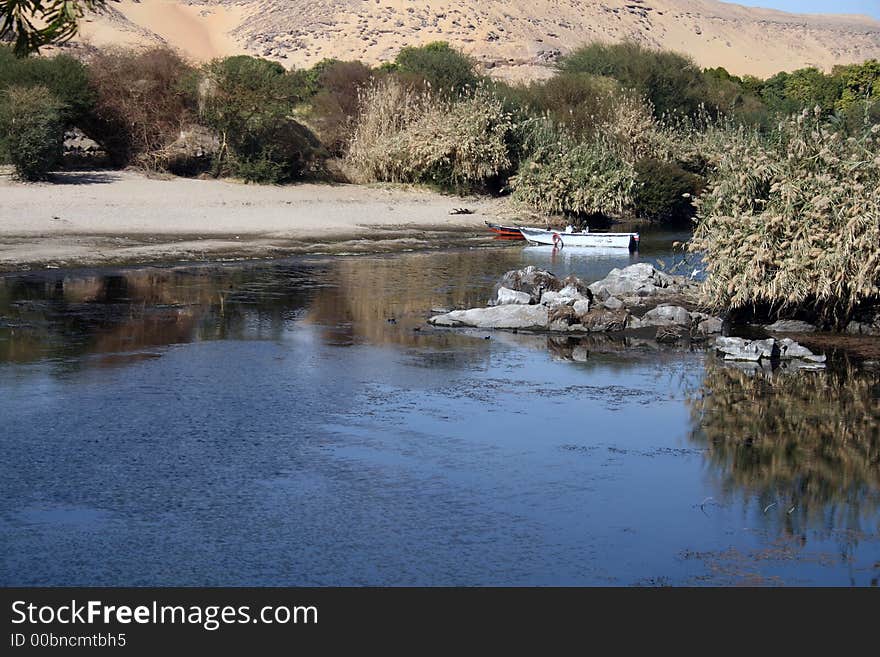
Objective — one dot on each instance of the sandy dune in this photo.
(512, 38)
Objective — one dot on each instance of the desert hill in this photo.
(511, 38)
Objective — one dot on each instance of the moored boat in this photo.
(505, 232)
(563, 238)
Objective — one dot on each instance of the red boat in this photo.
(505, 232)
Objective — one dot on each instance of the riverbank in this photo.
(91, 218)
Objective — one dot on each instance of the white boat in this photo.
(562, 238)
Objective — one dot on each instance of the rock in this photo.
(561, 318)
(672, 333)
(863, 328)
(710, 326)
(192, 152)
(741, 349)
(581, 306)
(788, 349)
(666, 315)
(754, 350)
(509, 316)
(531, 280)
(506, 296)
(612, 303)
(790, 326)
(573, 286)
(640, 280)
(605, 320)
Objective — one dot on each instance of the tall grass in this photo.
(407, 134)
(792, 222)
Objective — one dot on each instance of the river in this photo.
(296, 422)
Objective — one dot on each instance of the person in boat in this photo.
(570, 229)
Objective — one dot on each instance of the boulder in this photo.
(667, 315)
(789, 349)
(638, 280)
(742, 349)
(599, 320)
(709, 326)
(581, 306)
(790, 326)
(191, 153)
(863, 328)
(510, 316)
(531, 280)
(572, 285)
(506, 296)
(562, 318)
(755, 350)
(612, 303)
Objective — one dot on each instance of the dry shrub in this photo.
(143, 100)
(335, 107)
(409, 135)
(564, 175)
(793, 223)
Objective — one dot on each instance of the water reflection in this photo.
(805, 445)
(318, 379)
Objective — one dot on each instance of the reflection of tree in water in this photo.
(807, 444)
(368, 292)
(63, 315)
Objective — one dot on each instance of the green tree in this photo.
(860, 82)
(249, 102)
(672, 82)
(64, 76)
(808, 87)
(32, 24)
(446, 69)
(30, 119)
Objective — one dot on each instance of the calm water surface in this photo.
(266, 424)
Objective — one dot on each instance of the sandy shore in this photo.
(111, 217)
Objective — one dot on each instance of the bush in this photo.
(579, 101)
(31, 119)
(144, 99)
(249, 103)
(404, 135)
(66, 79)
(334, 106)
(447, 70)
(791, 223)
(571, 177)
(672, 83)
(664, 191)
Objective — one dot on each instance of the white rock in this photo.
(667, 316)
(506, 296)
(581, 306)
(788, 348)
(613, 303)
(509, 316)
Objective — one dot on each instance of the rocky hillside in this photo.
(513, 38)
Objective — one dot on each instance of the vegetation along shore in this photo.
(781, 176)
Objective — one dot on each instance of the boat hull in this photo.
(561, 239)
(505, 232)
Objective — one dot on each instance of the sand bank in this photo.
(110, 217)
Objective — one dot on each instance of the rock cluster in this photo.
(771, 349)
(535, 299)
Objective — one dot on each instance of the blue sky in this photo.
(867, 7)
